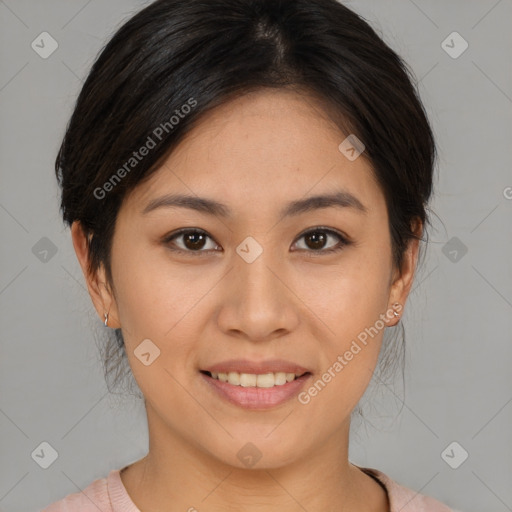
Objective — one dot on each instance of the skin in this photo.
(254, 154)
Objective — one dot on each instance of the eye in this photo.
(316, 240)
(193, 241)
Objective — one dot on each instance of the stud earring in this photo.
(396, 305)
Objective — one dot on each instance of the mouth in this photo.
(254, 380)
(254, 388)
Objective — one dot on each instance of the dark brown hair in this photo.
(175, 60)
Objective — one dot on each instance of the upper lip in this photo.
(255, 367)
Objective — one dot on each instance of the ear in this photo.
(403, 277)
(101, 295)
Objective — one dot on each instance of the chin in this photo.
(258, 451)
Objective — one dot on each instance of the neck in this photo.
(178, 476)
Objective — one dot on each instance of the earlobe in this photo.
(404, 277)
(101, 297)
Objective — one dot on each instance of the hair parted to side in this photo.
(172, 52)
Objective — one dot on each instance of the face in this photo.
(269, 283)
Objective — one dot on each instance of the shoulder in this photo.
(406, 500)
(93, 498)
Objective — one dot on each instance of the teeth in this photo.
(234, 378)
(248, 379)
(280, 378)
(266, 380)
(251, 380)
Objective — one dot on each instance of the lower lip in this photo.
(254, 397)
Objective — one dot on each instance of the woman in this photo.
(247, 184)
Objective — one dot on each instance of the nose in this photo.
(258, 304)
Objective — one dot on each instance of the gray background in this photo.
(458, 318)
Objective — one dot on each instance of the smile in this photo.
(255, 391)
(252, 380)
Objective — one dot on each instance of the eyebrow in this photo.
(340, 199)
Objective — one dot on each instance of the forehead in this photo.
(265, 147)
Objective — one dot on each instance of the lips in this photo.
(254, 367)
(256, 385)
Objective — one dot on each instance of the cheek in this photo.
(352, 304)
(163, 303)
(151, 296)
(350, 296)
(349, 302)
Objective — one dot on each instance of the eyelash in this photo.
(343, 241)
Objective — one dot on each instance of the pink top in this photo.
(109, 495)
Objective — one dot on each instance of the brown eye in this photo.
(192, 240)
(316, 241)
(196, 241)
